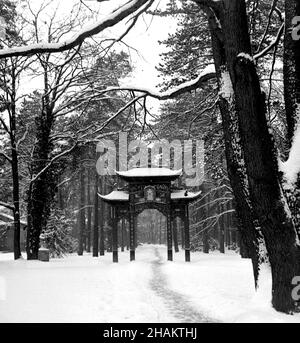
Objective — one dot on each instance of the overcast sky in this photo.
(143, 37)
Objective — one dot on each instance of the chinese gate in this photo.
(150, 188)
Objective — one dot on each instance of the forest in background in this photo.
(246, 113)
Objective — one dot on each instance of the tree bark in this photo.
(268, 202)
(40, 192)
(102, 238)
(291, 78)
(96, 219)
(89, 213)
(291, 68)
(81, 213)
(205, 242)
(249, 235)
(221, 232)
(42, 188)
(15, 170)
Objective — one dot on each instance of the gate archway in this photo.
(150, 188)
(151, 227)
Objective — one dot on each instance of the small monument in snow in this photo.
(44, 253)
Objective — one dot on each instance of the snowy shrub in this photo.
(57, 236)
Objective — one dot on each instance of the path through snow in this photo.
(178, 304)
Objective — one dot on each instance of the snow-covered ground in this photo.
(212, 287)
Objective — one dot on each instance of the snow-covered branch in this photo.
(267, 26)
(5, 156)
(214, 4)
(112, 19)
(207, 74)
(215, 219)
(272, 45)
(55, 158)
(106, 123)
(5, 204)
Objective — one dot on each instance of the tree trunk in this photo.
(81, 213)
(15, 174)
(60, 197)
(291, 78)
(249, 234)
(102, 207)
(221, 225)
(16, 200)
(205, 242)
(291, 69)
(221, 238)
(268, 202)
(89, 213)
(41, 190)
(96, 218)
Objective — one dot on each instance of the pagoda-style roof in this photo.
(123, 196)
(184, 195)
(115, 196)
(150, 173)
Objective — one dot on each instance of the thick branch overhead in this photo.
(207, 74)
(109, 21)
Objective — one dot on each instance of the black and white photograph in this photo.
(149, 164)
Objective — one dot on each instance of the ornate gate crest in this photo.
(149, 194)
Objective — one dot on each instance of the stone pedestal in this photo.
(44, 254)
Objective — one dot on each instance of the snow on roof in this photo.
(115, 196)
(150, 172)
(124, 196)
(183, 194)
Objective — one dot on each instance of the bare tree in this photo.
(257, 186)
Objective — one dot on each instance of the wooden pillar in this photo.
(135, 231)
(115, 234)
(96, 219)
(175, 237)
(187, 234)
(89, 213)
(182, 232)
(127, 234)
(102, 219)
(132, 232)
(122, 234)
(169, 237)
